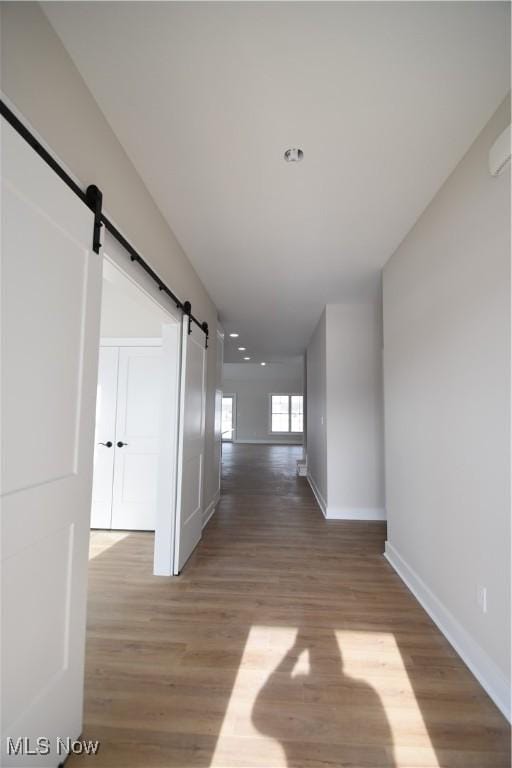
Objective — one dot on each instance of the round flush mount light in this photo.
(293, 155)
(247, 358)
(262, 363)
(234, 335)
(241, 349)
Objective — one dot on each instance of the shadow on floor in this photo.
(351, 707)
(288, 642)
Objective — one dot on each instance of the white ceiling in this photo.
(279, 371)
(384, 99)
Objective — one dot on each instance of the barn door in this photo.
(189, 502)
(51, 283)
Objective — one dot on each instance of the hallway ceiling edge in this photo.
(383, 98)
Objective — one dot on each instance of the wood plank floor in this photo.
(288, 641)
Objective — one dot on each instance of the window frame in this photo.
(289, 395)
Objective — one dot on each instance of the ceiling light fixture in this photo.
(293, 155)
(241, 349)
(234, 335)
(247, 358)
(262, 363)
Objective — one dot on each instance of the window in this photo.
(286, 414)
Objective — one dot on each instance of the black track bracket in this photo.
(187, 310)
(94, 200)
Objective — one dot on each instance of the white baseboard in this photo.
(318, 496)
(210, 509)
(490, 677)
(356, 513)
(264, 441)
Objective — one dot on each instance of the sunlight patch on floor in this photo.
(101, 541)
(264, 649)
(342, 692)
(373, 660)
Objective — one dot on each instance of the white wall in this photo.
(41, 81)
(345, 444)
(125, 311)
(447, 410)
(252, 384)
(316, 438)
(355, 441)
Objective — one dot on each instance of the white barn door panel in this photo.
(167, 474)
(50, 335)
(189, 503)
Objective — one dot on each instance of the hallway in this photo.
(288, 641)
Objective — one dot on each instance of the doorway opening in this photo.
(129, 406)
(228, 418)
(136, 442)
(151, 410)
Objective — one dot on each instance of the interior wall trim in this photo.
(265, 441)
(355, 513)
(488, 674)
(210, 509)
(318, 496)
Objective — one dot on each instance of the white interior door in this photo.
(137, 440)
(189, 503)
(51, 297)
(104, 440)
